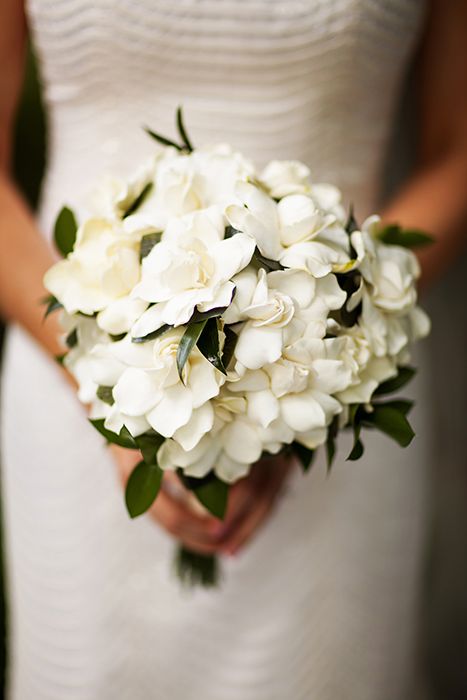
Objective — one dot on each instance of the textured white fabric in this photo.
(321, 606)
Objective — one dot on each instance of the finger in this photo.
(195, 532)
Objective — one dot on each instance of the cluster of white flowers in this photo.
(231, 312)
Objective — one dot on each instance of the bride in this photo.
(319, 598)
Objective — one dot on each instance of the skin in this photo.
(433, 199)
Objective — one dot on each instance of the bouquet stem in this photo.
(194, 569)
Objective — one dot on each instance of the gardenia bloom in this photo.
(293, 231)
(149, 386)
(103, 267)
(191, 268)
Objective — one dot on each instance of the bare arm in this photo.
(435, 197)
(25, 255)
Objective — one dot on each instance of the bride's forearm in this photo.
(25, 256)
(434, 199)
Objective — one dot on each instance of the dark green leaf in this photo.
(162, 139)
(59, 359)
(355, 418)
(393, 423)
(213, 495)
(142, 488)
(403, 376)
(182, 131)
(208, 344)
(104, 393)
(52, 305)
(187, 343)
(357, 450)
(152, 336)
(147, 244)
(351, 224)
(72, 339)
(229, 345)
(124, 440)
(139, 200)
(210, 491)
(402, 405)
(331, 442)
(304, 454)
(408, 238)
(65, 231)
(149, 444)
(266, 263)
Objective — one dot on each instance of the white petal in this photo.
(258, 346)
(297, 284)
(232, 255)
(151, 320)
(229, 470)
(241, 442)
(173, 410)
(199, 424)
(137, 391)
(119, 315)
(302, 412)
(263, 407)
(204, 381)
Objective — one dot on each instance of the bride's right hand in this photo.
(174, 510)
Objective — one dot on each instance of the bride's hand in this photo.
(250, 501)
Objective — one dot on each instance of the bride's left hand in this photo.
(252, 499)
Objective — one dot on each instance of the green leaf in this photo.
(149, 444)
(124, 440)
(117, 337)
(393, 423)
(65, 231)
(142, 488)
(355, 418)
(331, 442)
(187, 343)
(403, 376)
(162, 139)
(72, 339)
(52, 305)
(213, 495)
(304, 455)
(104, 393)
(351, 224)
(266, 263)
(59, 359)
(402, 405)
(210, 491)
(356, 451)
(182, 131)
(139, 200)
(208, 344)
(229, 345)
(408, 238)
(152, 336)
(147, 244)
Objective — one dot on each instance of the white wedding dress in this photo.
(322, 604)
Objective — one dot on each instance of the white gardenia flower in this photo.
(185, 183)
(284, 177)
(294, 231)
(103, 267)
(149, 385)
(389, 270)
(191, 268)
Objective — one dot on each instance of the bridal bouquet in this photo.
(214, 314)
